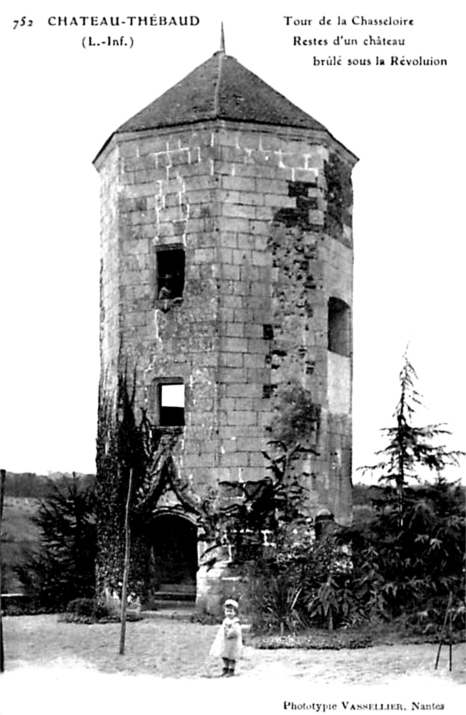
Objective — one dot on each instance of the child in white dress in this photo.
(228, 641)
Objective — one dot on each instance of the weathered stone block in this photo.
(238, 183)
(277, 201)
(234, 459)
(272, 186)
(238, 210)
(249, 198)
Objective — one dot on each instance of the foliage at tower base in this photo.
(284, 567)
(400, 566)
(376, 573)
(415, 562)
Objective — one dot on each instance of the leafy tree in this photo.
(62, 568)
(408, 569)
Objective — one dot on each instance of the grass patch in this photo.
(313, 640)
(389, 634)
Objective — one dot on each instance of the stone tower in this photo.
(226, 275)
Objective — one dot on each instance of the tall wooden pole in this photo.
(446, 628)
(2, 492)
(124, 590)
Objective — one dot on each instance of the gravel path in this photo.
(78, 664)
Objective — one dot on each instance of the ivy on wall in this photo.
(339, 195)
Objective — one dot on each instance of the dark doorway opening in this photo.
(173, 546)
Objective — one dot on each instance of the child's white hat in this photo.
(231, 602)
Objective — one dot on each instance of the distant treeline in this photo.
(38, 486)
(365, 494)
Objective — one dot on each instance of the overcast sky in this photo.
(405, 123)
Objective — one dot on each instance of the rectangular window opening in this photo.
(339, 327)
(171, 404)
(170, 273)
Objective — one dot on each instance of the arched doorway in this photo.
(173, 557)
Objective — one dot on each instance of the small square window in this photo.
(267, 391)
(267, 331)
(170, 273)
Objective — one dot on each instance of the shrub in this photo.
(62, 568)
(371, 573)
(417, 553)
(88, 610)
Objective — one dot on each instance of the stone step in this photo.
(170, 604)
(179, 613)
(178, 596)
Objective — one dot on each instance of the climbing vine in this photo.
(128, 444)
(339, 196)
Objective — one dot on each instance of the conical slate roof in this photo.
(220, 88)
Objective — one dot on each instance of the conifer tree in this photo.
(417, 534)
(411, 449)
(62, 569)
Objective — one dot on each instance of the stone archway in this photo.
(173, 557)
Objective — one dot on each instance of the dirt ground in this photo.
(166, 662)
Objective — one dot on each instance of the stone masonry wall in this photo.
(263, 217)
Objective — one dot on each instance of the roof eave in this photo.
(130, 133)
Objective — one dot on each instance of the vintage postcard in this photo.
(239, 220)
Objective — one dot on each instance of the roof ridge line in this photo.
(221, 55)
